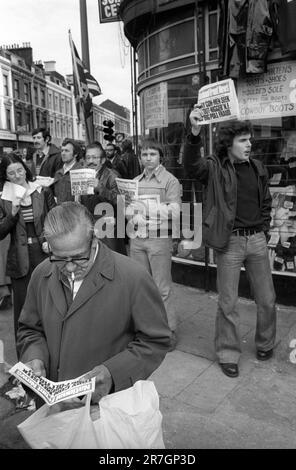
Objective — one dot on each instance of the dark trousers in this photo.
(20, 285)
(19, 289)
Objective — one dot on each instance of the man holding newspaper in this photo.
(153, 216)
(90, 311)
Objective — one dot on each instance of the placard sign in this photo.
(108, 10)
(268, 95)
(156, 106)
(218, 102)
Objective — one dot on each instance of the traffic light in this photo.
(108, 131)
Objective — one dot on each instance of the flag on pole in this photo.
(85, 88)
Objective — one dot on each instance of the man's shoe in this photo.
(230, 369)
(264, 355)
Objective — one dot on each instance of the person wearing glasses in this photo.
(105, 191)
(23, 207)
(89, 310)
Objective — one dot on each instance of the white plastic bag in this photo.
(71, 429)
(131, 419)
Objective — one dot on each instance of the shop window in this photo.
(142, 54)
(175, 64)
(212, 32)
(172, 42)
(182, 94)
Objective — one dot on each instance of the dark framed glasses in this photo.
(79, 260)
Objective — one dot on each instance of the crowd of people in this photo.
(102, 306)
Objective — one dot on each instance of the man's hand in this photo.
(195, 116)
(37, 366)
(104, 382)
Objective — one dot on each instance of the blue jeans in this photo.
(252, 252)
(156, 255)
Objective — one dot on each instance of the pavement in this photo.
(201, 407)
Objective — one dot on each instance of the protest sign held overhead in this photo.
(82, 181)
(218, 102)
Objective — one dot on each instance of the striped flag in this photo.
(85, 88)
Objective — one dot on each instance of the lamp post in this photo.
(84, 34)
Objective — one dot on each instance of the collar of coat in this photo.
(104, 265)
(255, 163)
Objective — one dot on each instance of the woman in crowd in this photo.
(23, 207)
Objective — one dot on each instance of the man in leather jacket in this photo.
(236, 217)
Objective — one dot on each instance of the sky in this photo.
(45, 24)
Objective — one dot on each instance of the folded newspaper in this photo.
(51, 392)
(128, 188)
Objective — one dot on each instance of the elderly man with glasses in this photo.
(90, 311)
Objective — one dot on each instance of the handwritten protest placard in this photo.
(82, 181)
(51, 392)
(218, 102)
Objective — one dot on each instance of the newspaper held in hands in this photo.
(44, 181)
(82, 181)
(51, 392)
(13, 192)
(128, 189)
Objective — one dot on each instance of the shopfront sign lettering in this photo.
(108, 10)
(272, 94)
